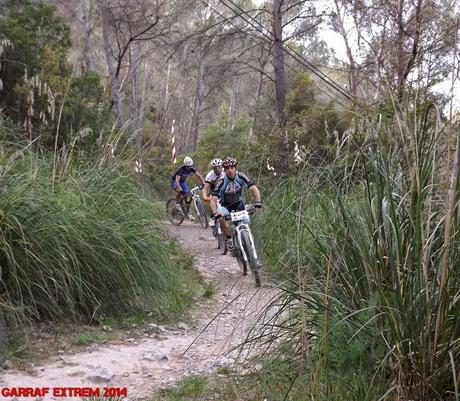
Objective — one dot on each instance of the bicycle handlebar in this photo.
(194, 191)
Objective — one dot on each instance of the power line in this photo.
(295, 55)
(298, 57)
(257, 39)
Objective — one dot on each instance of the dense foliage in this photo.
(40, 93)
(80, 242)
(371, 272)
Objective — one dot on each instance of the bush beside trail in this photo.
(370, 305)
(84, 245)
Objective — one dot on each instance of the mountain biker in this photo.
(211, 180)
(229, 191)
(179, 180)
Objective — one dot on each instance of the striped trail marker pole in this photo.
(173, 144)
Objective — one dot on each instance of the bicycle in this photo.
(177, 216)
(243, 240)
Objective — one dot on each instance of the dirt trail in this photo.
(147, 364)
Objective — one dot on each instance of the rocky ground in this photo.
(143, 365)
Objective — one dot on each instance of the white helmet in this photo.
(216, 162)
(188, 161)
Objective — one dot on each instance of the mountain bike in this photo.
(198, 210)
(245, 249)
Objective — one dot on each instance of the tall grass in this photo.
(78, 241)
(375, 311)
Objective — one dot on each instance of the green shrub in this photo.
(373, 310)
(84, 245)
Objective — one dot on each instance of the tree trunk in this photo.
(136, 123)
(197, 107)
(146, 79)
(352, 68)
(89, 63)
(415, 44)
(260, 85)
(181, 133)
(108, 57)
(233, 108)
(280, 82)
(400, 50)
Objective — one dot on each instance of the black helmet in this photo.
(229, 162)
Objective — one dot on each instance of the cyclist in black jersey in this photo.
(229, 191)
(178, 180)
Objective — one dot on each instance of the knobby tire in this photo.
(174, 215)
(201, 213)
(249, 249)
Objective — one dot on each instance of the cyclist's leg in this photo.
(183, 185)
(186, 199)
(212, 222)
(223, 224)
(226, 229)
(174, 186)
(178, 196)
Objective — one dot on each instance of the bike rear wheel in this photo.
(249, 249)
(174, 215)
(222, 243)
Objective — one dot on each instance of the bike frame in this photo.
(193, 198)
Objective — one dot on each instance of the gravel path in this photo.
(144, 365)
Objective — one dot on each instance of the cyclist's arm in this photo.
(213, 205)
(206, 191)
(215, 195)
(255, 193)
(177, 179)
(200, 177)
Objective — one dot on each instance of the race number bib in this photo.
(238, 216)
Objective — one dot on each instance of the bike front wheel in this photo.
(250, 253)
(201, 213)
(239, 256)
(175, 216)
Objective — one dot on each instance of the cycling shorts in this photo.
(182, 184)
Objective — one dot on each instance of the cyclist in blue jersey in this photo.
(229, 191)
(179, 180)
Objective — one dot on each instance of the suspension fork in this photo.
(239, 229)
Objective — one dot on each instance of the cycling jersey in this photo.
(212, 178)
(230, 191)
(183, 172)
